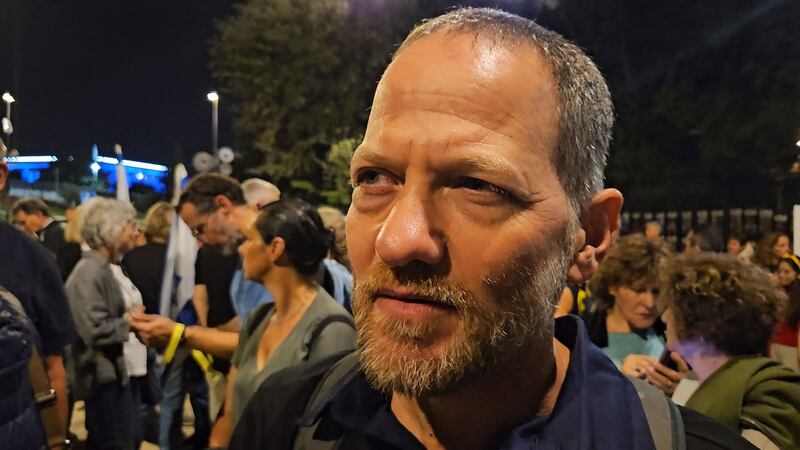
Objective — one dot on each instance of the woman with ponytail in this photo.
(284, 250)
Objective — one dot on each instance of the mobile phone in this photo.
(666, 359)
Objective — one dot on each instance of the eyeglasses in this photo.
(198, 230)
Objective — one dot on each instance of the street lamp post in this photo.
(213, 98)
(9, 99)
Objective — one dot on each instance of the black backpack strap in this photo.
(337, 376)
(319, 327)
(663, 417)
(257, 316)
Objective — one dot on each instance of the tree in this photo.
(705, 95)
(301, 75)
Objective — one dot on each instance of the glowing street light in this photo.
(213, 97)
(7, 127)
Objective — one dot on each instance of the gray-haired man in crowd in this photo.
(477, 189)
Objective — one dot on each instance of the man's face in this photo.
(459, 233)
(211, 228)
(31, 223)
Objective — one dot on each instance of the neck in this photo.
(616, 323)
(158, 240)
(47, 221)
(109, 255)
(245, 216)
(478, 415)
(289, 290)
(704, 358)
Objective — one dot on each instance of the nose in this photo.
(242, 249)
(408, 234)
(648, 299)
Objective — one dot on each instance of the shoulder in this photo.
(54, 227)
(595, 321)
(30, 247)
(325, 305)
(88, 270)
(256, 316)
(703, 432)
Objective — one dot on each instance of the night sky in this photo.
(106, 71)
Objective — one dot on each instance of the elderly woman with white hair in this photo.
(106, 354)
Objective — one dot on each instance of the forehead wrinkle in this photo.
(466, 107)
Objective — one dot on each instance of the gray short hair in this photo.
(258, 192)
(103, 220)
(586, 114)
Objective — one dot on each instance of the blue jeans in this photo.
(183, 376)
(111, 414)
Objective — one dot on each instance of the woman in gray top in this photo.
(102, 378)
(283, 250)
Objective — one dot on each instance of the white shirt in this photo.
(134, 351)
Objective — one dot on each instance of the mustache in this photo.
(417, 283)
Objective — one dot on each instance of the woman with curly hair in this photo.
(720, 313)
(623, 320)
(785, 343)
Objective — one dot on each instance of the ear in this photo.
(276, 249)
(223, 203)
(599, 229)
(3, 174)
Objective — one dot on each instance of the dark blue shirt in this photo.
(597, 407)
(29, 272)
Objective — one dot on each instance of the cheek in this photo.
(503, 253)
(361, 232)
(627, 301)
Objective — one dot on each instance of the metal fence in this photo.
(754, 223)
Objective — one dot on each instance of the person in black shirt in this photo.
(29, 272)
(145, 265)
(70, 253)
(34, 216)
(213, 272)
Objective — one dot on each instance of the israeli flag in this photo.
(177, 289)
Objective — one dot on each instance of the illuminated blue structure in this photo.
(152, 175)
(148, 174)
(30, 167)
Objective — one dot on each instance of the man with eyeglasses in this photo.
(215, 208)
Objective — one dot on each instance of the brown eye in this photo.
(477, 185)
(374, 181)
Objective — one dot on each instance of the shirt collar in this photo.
(597, 406)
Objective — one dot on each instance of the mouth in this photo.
(408, 305)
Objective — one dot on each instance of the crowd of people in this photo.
(473, 297)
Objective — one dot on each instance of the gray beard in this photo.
(491, 333)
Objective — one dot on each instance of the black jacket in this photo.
(595, 321)
(52, 236)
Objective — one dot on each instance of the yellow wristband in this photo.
(174, 340)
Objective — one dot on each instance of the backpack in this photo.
(301, 391)
(260, 313)
(40, 415)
